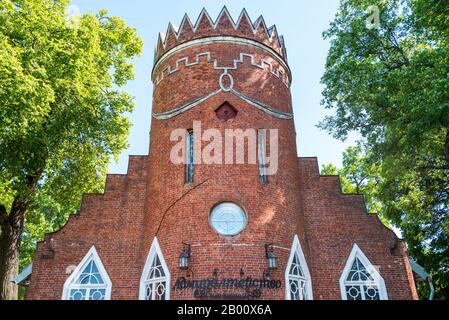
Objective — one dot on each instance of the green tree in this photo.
(62, 116)
(390, 84)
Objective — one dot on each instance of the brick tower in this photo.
(222, 229)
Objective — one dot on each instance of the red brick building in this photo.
(242, 233)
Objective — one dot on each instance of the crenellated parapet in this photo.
(223, 25)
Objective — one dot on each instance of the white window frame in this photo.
(356, 252)
(190, 157)
(261, 154)
(237, 209)
(154, 250)
(70, 284)
(297, 250)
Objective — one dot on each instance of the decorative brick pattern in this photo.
(168, 70)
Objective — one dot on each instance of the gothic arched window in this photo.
(297, 276)
(89, 280)
(360, 280)
(155, 280)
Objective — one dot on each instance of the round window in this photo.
(228, 219)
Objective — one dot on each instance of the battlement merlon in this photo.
(224, 25)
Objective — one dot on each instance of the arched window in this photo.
(360, 280)
(89, 280)
(297, 276)
(155, 280)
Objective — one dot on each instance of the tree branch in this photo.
(21, 203)
(398, 48)
(3, 215)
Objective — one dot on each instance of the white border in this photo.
(296, 247)
(155, 249)
(169, 70)
(357, 252)
(91, 255)
(259, 105)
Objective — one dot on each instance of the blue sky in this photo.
(300, 21)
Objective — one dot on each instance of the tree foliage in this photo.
(359, 176)
(391, 85)
(62, 114)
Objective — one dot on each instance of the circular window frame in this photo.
(233, 234)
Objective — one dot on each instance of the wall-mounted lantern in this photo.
(184, 257)
(271, 257)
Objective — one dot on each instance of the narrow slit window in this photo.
(190, 157)
(261, 155)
